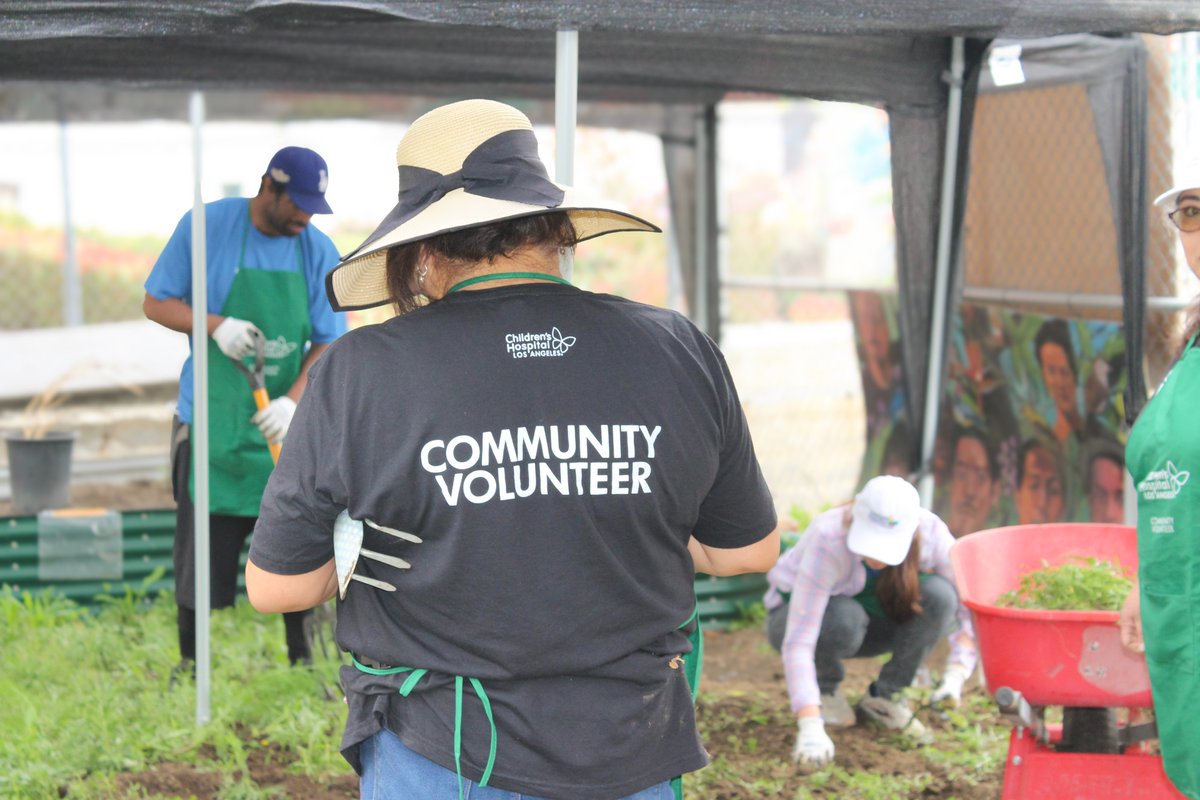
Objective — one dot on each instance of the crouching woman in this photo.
(865, 579)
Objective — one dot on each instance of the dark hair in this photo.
(1038, 443)
(968, 432)
(1055, 331)
(1101, 448)
(899, 587)
(274, 186)
(469, 247)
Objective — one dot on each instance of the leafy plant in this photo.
(1080, 584)
(112, 711)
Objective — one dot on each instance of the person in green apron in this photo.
(266, 267)
(1161, 615)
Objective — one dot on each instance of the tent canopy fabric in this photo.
(673, 54)
(885, 52)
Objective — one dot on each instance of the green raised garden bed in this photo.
(147, 537)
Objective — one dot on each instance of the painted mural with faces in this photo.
(889, 445)
(1032, 424)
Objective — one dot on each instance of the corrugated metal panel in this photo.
(722, 601)
(147, 538)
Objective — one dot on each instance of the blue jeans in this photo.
(848, 631)
(393, 772)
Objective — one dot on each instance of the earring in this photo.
(421, 273)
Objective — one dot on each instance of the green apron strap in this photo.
(693, 663)
(410, 683)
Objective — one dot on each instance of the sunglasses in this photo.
(1186, 218)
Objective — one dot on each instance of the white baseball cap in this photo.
(1188, 177)
(884, 520)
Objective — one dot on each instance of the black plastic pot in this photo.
(40, 471)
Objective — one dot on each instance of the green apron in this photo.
(1163, 457)
(239, 460)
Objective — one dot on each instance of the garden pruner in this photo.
(258, 385)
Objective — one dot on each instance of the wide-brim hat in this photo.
(885, 517)
(1188, 177)
(464, 165)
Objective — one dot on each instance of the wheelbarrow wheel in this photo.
(1089, 730)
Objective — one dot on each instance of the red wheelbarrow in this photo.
(1033, 659)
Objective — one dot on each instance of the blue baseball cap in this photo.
(304, 175)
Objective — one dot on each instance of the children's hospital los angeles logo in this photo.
(1163, 484)
(549, 344)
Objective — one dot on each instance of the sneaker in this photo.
(836, 711)
(892, 715)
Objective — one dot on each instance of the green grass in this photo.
(85, 700)
(85, 696)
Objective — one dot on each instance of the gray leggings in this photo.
(848, 631)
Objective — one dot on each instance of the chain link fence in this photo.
(49, 280)
(1174, 124)
(1043, 138)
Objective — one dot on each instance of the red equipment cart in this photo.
(1032, 659)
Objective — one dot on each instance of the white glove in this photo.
(950, 690)
(813, 745)
(274, 420)
(236, 337)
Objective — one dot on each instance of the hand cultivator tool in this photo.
(1034, 658)
(258, 385)
(347, 548)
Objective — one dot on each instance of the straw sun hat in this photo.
(464, 165)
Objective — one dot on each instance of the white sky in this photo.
(138, 177)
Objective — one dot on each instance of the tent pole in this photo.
(937, 332)
(566, 102)
(706, 306)
(72, 294)
(200, 415)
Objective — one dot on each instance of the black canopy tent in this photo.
(678, 58)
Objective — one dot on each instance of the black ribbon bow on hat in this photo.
(505, 167)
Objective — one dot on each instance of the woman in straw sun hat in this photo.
(867, 578)
(1163, 457)
(533, 473)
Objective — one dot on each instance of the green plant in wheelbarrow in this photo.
(1083, 583)
(39, 455)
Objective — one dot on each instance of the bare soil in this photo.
(742, 673)
(743, 700)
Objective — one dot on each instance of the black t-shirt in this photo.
(554, 449)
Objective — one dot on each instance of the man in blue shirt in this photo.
(265, 277)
